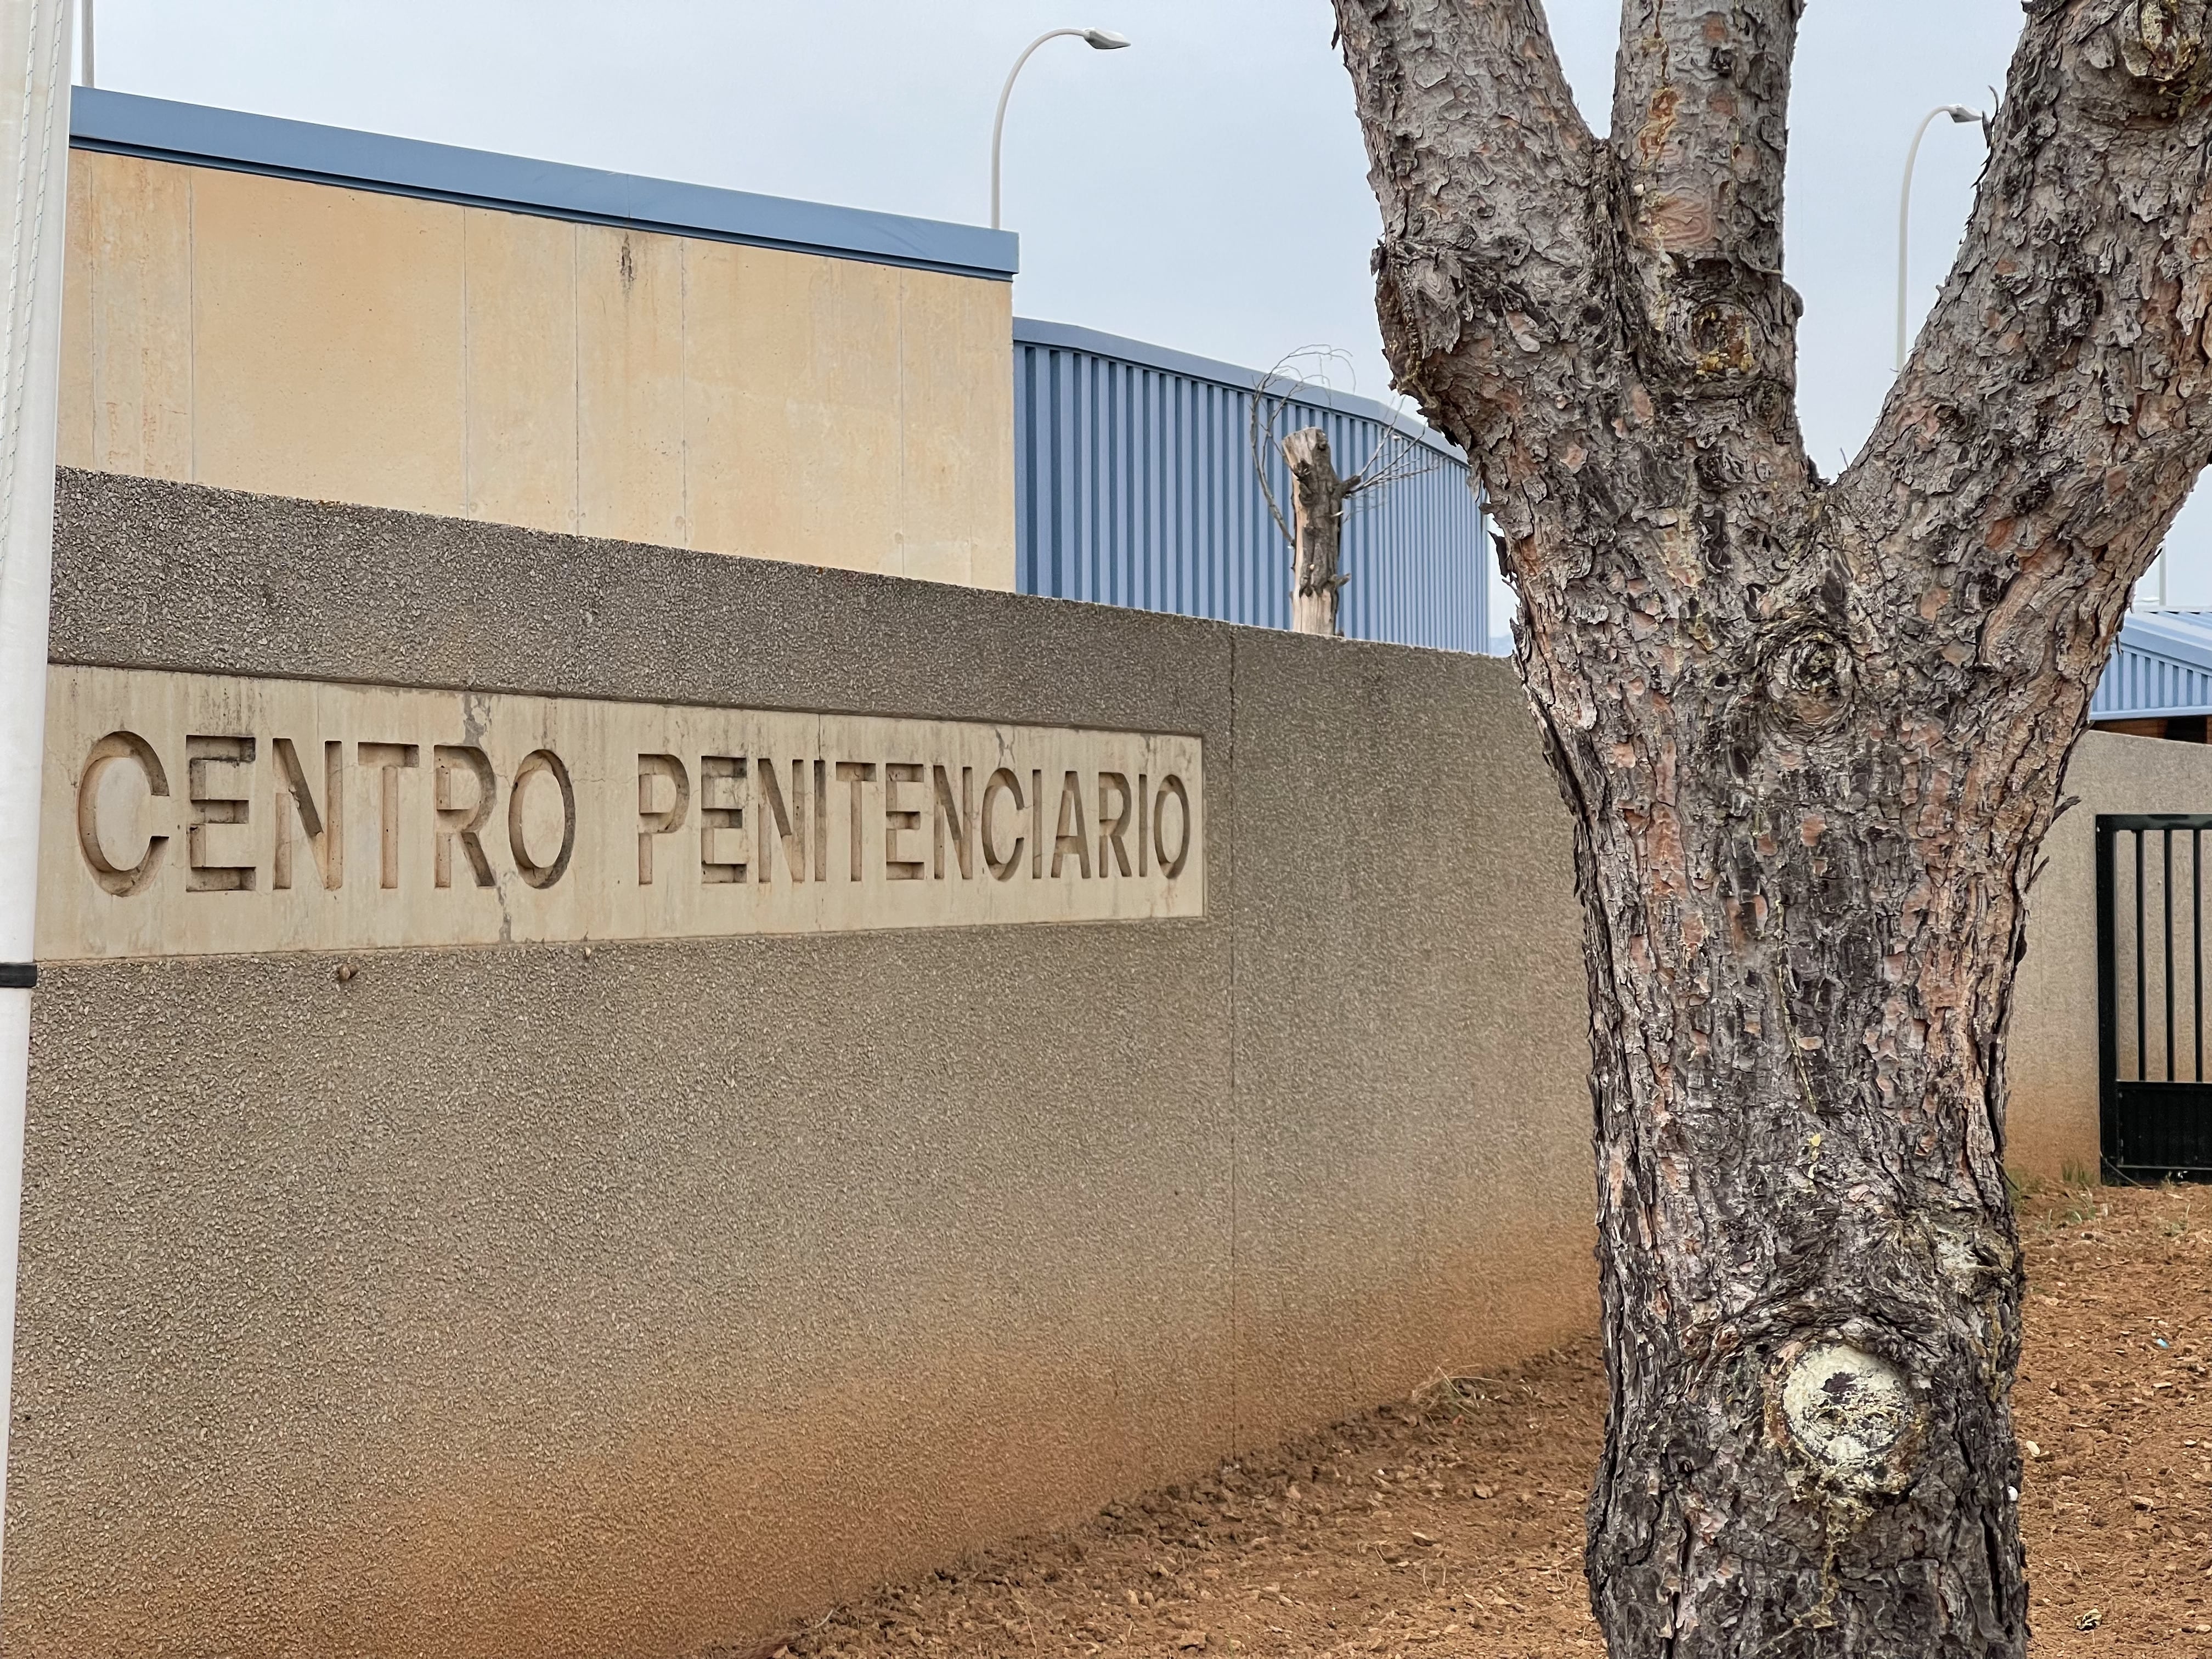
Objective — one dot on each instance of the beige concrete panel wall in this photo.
(126, 350)
(796, 405)
(951, 387)
(297, 339)
(326, 342)
(630, 478)
(2052, 1060)
(520, 327)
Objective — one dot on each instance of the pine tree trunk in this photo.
(1811, 735)
(1317, 498)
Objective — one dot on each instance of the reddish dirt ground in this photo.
(1451, 1525)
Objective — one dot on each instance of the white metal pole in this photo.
(34, 66)
(1097, 40)
(85, 15)
(999, 121)
(1958, 112)
(1904, 225)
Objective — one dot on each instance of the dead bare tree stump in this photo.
(1317, 498)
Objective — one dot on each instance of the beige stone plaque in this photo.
(187, 814)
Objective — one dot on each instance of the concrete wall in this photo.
(2053, 1058)
(261, 333)
(535, 1299)
(629, 1299)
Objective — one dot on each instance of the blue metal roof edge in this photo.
(1030, 331)
(198, 134)
(2164, 636)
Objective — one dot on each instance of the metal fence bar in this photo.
(2108, 1021)
(2141, 1016)
(2166, 898)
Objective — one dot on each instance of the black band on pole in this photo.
(19, 975)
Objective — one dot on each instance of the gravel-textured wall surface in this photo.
(523, 1300)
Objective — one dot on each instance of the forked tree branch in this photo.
(1700, 125)
(1607, 332)
(1604, 330)
(1700, 140)
(1493, 270)
(2058, 404)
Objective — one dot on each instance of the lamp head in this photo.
(1961, 114)
(1105, 40)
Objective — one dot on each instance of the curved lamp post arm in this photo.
(1101, 39)
(1960, 114)
(999, 121)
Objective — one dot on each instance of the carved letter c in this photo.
(1002, 868)
(119, 879)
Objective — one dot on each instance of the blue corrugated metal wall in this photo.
(1134, 486)
(2139, 684)
(2161, 666)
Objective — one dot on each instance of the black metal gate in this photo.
(2155, 1104)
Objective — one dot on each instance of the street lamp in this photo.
(1960, 114)
(1097, 40)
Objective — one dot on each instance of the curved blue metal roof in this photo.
(2161, 667)
(1135, 485)
(1034, 331)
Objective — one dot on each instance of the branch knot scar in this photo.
(1852, 1415)
(2163, 41)
(1808, 681)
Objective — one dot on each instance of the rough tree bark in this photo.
(1811, 735)
(1317, 498)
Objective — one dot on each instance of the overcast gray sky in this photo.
(1204, 189)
